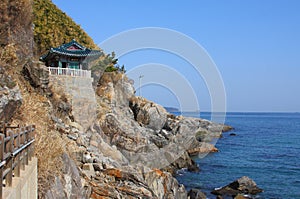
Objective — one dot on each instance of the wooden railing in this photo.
(69, 72)
(16, 150)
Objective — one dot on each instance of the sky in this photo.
(255, 46)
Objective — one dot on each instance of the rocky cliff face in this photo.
(144, 140)
(16, 29)
(132, 148)
(10, 97)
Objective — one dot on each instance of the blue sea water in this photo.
(266, 148)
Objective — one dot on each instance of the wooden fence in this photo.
(16, 150)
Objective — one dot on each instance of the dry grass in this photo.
(8, 54)
(49, 145)
(49, 148)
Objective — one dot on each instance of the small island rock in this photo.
(243, 185)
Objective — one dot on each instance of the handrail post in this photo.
(8, 177)
(30, 137)
(17, 158)
(22, 154)
(33, 137)
(27, 140)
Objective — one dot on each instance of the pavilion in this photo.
(70, 59)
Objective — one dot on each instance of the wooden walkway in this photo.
(16, 150)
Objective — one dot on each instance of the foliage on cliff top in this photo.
(52, 27)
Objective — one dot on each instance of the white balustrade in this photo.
(69, 72)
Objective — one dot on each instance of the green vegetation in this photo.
(107, 63)
(52, 27)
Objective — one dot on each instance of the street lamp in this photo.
(140, 80)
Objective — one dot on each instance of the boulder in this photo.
(69, 184)
(115, 88)
(88, 170)
(148, 114)
(240, 196)
(196, 194)
(38, 76)
(116, 183)
(164, 185)
(10, 97)
(193, 167)
(243, 185)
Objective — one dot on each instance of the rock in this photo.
(227, 128)
(141, 138)
(38, 76)
(76, 126)
(112, 152)
(193, 167)
(243, 185)
(88, 170)
(240, 196)
(69, 184)
(147, 113)
(196, 194)
(204, 148)
(72, 136)
(115, 183)
(115, 88)
(232, 134)
(94, 143)
(10, 97)
(98, 167)
(181, 194)
(179, 161)
(87, 158)
(81, 141)
(164, 185)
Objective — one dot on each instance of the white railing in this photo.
(69, 72)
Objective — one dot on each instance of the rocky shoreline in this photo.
(134, 147)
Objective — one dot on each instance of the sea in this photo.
(266, 148)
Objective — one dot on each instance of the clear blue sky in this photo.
(255, 44)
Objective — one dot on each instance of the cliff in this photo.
(132, 147)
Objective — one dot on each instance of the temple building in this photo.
(69, 58)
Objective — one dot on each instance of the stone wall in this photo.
(25, 186)
(79, 93)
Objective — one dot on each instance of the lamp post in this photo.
(140, 80)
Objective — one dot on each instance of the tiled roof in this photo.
(81, 51)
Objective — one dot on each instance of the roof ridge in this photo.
(82, 52)
(69, 44)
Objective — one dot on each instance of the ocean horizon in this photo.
(265, 149)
